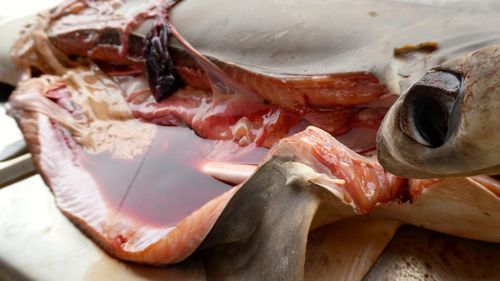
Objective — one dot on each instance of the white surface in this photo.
(14, 14)
(19, 8)
(10, 132)
(16, 167)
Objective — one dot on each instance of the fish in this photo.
(111, 150)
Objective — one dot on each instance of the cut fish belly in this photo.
(83, 197)
(149, 204)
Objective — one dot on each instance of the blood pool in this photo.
(164, 183)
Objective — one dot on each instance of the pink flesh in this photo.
(366, 182)
(215, 117)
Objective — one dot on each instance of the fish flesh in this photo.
(123, 171)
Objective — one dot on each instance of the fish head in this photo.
(447, 123)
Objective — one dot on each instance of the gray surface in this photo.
(18, 167)
(10, 132)
(417, 254)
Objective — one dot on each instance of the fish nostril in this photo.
(431, 120)
(426, 108)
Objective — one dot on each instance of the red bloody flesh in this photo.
(264, 124)
(293, 92)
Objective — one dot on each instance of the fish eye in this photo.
(426, 113)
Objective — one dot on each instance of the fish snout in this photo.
(447, 123)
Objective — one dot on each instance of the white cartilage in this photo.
(233, 173)
(329, 183)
